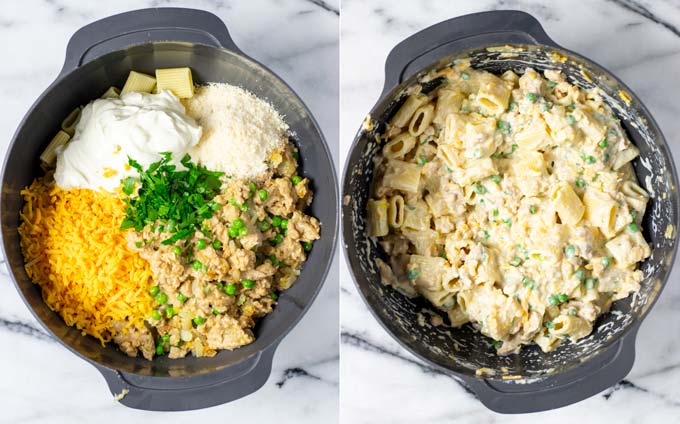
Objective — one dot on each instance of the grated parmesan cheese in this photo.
(240, 130)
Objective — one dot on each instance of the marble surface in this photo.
(637, 40)
(44, 383)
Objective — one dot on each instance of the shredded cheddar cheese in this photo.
(76, 253)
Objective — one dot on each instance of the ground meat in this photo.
(216, 292)
(132, 340)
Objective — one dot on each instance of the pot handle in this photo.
(195, 392)
(141, 26)
(594, 376)
(499, 27)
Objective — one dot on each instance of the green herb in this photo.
(633, 214)
(528, 282)
(570, 120)
(138, 244)
(548, 324)
(215, 312)
(507, 222)
(606, 157)
(512, 106)
(274, 296)
(263, 225)
(495, 212)
(486, 234)
(516, 261)
(443, 255)
(164, 194)
(531, 97)
(532, 209)
(580, 183)
(497, 344)
(562, 297)
(422, 161)
(273, 260)
(496, 179)
(633, 227)
(591, 159)
(128, 185)
(296, 179)
(551, 84)
(412, 274)
(479, 189)
(296, 155)
(504, 127)
(603, 143)
(181, 297)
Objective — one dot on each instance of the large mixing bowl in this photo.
(531, 380)
(100, 55)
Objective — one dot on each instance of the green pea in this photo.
(243, 231)
(633, 227)
(216, 244)
(480, 189)
(590, 283)
(159, 350)
(162, 298)
(274, 296)
(531, 97)
(495, 212)
(232, 201)
(606, 261)
(233, 232)
(165, 338)
(154, 290)
(262, 193)
(197, 265)
(169, 312)
(569, 250)
(496, 179)
(182, 298)
(553, 300)
(156, 315)
(580, 183)
(278, 239)
(284, 224)
(238, 223)
(603, 143)
(307, 246)
(201, 244)
(138, 244)
(198, 321)
(177, 250)
(253, 188)
(296, 179)
(562, 297)
(276, 221)
(230, 289)
(580, 274)
(215, 312)
(248, 283)
(244, 207)
(273, 260)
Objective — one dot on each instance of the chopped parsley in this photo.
(167, 195)
(504, 127)
(531, 97)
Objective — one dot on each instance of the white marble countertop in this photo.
(637, 40)
(41, 381)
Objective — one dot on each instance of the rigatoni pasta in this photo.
(510, 203)
(137, 81)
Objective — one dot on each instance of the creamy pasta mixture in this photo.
(509, 202)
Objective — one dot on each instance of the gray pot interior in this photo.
(464, 350)
(208, 64)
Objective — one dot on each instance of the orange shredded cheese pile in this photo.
(74, 250)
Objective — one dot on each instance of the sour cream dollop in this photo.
(136, 125)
